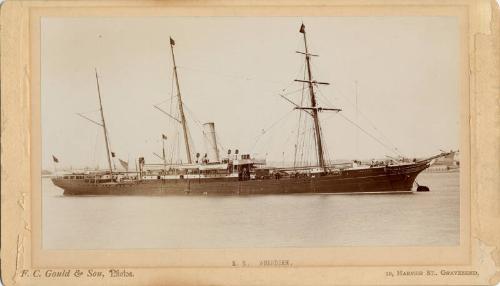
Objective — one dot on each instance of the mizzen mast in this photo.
(104, 126)
(181, 107)
(314, 109)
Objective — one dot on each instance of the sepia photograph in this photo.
(217, 142)
(220, 132)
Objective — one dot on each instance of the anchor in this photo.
(422, 188)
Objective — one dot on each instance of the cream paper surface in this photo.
(474, 261)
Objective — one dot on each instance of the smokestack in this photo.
(212, 150)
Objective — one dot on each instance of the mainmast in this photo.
(181, 108)
(314, 109)
(104, 126)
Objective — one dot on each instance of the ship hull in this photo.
(370, 180)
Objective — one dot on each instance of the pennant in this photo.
(55, 159)
(124, 164)
(164, 137)
(302, 28)
(172, 42)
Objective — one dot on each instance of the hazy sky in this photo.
(231, 71)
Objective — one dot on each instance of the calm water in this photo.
(254, 221)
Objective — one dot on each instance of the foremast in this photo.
(181, 107)
(314, 109)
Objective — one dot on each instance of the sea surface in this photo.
(313, 220)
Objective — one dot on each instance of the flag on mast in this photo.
(302, 28)
(54, 158)
(124, 164)
(164, 137)
(172, 42)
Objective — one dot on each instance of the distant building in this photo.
(450, 162)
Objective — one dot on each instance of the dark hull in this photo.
(378, 179)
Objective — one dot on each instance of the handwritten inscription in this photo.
(77, 273)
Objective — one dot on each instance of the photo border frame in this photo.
(21, 154)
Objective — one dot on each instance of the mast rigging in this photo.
(104, 125)
(181, 108)
(314, 109)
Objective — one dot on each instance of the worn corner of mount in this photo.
(483, 11)
(486, 259)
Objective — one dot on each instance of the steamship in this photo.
(242, 174)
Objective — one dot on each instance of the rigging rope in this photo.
(192, 114)
(264, 131)
(90, 111)
(387, 145)
(220, 145)
(241, 77)
(367, 133)
(300, 117)
(166, 100)
(95, 148)
(392, 146)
